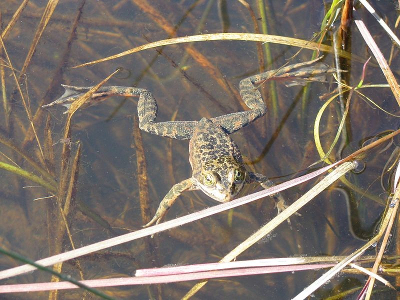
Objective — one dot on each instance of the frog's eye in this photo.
(239, 176)
(209, 179)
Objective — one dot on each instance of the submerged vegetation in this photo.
(76, 188)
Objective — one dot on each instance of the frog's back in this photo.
(210, 142)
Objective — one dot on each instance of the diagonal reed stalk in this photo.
(275, 39)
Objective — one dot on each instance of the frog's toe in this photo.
(281, 205)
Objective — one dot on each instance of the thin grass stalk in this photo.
(141, 172)
(48, 147)
(193, 81)
(155, 57)
(67, 128)
(343, 105)
(268, 57)
(237, 264)
(69, 201)
(276, 133)
(128, 281)
(48, 12)
(58, 222)
(345, 21)
(324, 156)
(56, 226)
(151, 247)
(67, 132)
(27, 109)
(25, 174)
(260, 52)
(57, 75)
(51, 205)
(61, 276)
(223, 15)
(397, 247)
(203, 271)
(379, 57)
(250, 37)
(65, 156)
(49, 9)
(64, 212)
(326, 24)
(6, 105)
(259, 46)
(199, 28)
(368, 272)
(163, 23)
(72, 187)
(14, 19)
(381, 22)
(382, 247)
(330, 17)
(8, 143)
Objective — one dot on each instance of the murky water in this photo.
(189, 82)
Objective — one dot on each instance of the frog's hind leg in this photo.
(147, 112)
(296, 74)
(252, 98)
(147, 109)
(73, 93)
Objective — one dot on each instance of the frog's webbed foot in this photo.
(298, 74)
(169, 200)
(72, 93)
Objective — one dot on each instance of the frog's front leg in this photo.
(170, 198)
(266, 183)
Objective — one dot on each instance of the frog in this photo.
(217, 165)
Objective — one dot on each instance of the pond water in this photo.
(189, 81)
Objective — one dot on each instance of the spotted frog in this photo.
(217, 166)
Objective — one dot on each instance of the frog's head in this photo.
(221, 179)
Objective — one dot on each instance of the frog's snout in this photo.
(228, 197)
(230, 191)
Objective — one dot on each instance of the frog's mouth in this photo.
(221, 191)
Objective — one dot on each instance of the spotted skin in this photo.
(216, 161)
